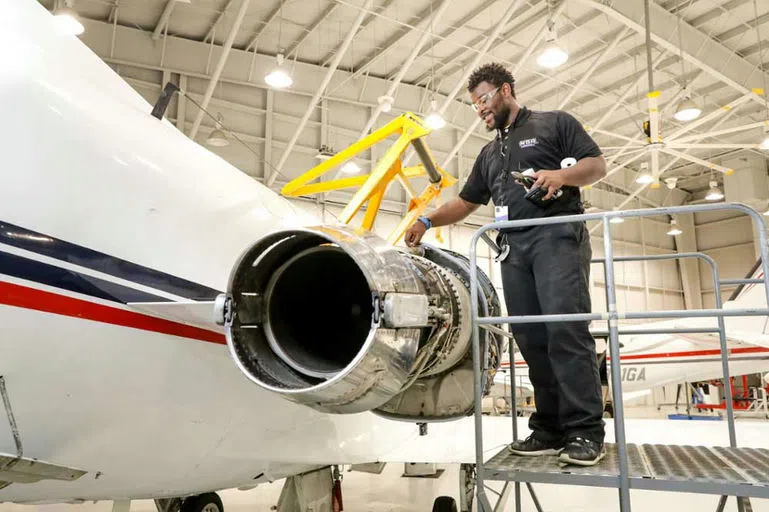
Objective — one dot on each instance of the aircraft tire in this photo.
(444, 504)
(208, 502)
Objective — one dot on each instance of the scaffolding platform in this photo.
(701, 469)
(742, 472)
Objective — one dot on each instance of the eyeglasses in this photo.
(483, 100)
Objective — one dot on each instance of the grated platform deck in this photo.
(700, 469)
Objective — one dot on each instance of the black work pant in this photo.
(547, 272)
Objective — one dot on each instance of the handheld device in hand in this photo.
(536, 194)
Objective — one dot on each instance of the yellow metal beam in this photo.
(380, 173)
(372, 186)
(418, 206)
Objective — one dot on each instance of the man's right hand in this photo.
(415, 233)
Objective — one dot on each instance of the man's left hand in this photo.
(552, 181)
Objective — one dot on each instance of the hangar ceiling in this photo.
(346, 54)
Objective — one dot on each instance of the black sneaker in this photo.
(582, 452)
(533, 446)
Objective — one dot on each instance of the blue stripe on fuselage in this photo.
(51, 275)
(71, 253)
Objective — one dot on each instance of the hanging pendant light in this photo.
(278, 78)
(324, 153)
(616, 220)
(217, 137)
(386, 102)
(687, 110)
(644, 177)
(351, 168)
(553, 55)
(715, 193)
(67, 21)
(435, 119)
(674, 228)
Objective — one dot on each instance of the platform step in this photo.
(709, 470)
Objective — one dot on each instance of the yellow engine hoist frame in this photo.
(411, 130)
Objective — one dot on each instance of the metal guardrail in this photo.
(623, 482)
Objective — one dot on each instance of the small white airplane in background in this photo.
(654, 360)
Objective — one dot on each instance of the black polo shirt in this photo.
(537, 140)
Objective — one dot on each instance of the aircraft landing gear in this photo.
(317, 490)
(208, 502)
(444, 504)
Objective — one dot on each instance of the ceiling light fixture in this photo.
(616, 220)
(386, 102)
(324, 153)
(278, 78)
(674, 228)
(67, 21)
(553, 55)
(435, 120)
(687, 110)
(217, 137)
(644, 178)
(350, 168)
(715, 193)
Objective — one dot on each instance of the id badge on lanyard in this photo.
(500, 214)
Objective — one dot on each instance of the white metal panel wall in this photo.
(728, 239)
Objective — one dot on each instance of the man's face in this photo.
(490, 105)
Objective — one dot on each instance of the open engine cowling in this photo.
(345, 323)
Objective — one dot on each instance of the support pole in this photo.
(160, 27)
(513, 405)
(616, 376)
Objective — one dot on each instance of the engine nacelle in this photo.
(345, 323)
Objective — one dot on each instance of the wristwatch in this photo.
(424, 220)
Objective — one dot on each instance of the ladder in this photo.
(725, 471)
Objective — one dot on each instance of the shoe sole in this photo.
(564, 460)
(538, 453)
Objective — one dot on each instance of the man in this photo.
(547, 269)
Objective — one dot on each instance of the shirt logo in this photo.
(527, 143)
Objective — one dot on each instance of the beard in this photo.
(500, 119)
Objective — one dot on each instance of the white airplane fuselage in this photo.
(102, 204)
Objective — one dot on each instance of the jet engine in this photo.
(345, 323)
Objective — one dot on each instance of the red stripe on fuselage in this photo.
(30, 298)
(672, 355)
